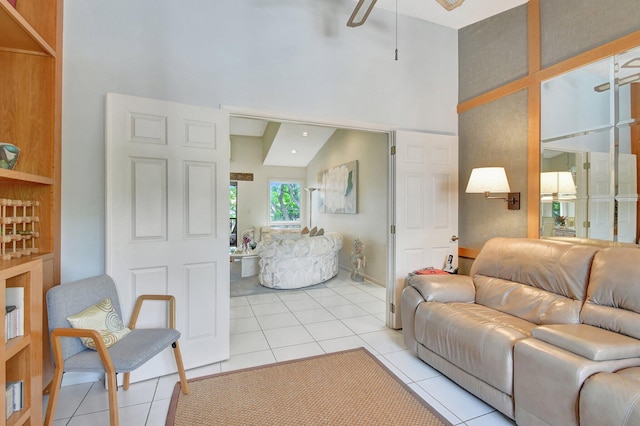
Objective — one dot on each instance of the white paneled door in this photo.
(601, 196)
(167, 174)
(426, 207)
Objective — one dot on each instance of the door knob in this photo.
(454, 238)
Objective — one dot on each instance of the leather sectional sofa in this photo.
(547, 332)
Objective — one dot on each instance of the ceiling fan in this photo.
(364, 8)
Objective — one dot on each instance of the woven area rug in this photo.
(342, 388)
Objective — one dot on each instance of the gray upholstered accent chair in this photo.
(129, 353)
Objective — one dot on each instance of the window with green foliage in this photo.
(233, 214)
(284, 206)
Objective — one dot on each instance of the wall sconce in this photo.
(557, 186)
(490, 180)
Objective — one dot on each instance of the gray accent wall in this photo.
(494, 52)
(570, 27)
(489, 142)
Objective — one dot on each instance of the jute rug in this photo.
(342, 388)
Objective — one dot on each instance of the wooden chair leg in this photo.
(183, 377)
(126, 380)
(113, 399)
(54, 388)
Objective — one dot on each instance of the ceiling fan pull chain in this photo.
(396, 30)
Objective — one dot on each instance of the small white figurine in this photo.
(358, 260)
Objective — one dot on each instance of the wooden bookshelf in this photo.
(21, 356)
(30, 118)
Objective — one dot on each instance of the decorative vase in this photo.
(8, 155)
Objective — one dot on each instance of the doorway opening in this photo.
(277, 135)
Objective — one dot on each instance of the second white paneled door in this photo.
(167, 174)
(425, 208)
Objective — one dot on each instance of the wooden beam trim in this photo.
(533, 164)
(604, 51)
(635, 140)
(535, 48)
(468, 253)
(500, 92)
(620, 45)
(533, 143)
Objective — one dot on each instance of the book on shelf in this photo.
(14, 397)
(14, 316)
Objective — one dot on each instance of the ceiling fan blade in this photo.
(450, 4)
(361, 12)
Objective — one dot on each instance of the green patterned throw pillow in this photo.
(103, 318)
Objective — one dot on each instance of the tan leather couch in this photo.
(611, 399)
(532, 322)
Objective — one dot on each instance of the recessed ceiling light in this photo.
(305, 134)
(293, 151)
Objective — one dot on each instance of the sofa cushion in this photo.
(526, 302)
(477, 339)
(443, 288)
(559, 272)
(613, 299)
(269, 234)
(590, 342)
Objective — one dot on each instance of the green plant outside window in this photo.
(284, 205)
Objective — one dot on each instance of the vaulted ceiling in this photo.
(290, 135)
(469, 12)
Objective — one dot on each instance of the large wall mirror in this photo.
(590, 141)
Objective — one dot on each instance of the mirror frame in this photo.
(605, 51)
(595, 128)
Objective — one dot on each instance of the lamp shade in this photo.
(557, 183)
(488, 179)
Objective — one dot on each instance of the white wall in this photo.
(370, 223)
(253, 196)
(291, 56)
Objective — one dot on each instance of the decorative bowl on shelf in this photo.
(8, 155)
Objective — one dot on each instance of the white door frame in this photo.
(235, 111)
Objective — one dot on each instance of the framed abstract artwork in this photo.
(339, 189)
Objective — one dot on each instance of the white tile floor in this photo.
(276, 327)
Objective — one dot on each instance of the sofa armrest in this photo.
(589, 342)
(611, 398)
(547, 380)
(444, 288)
